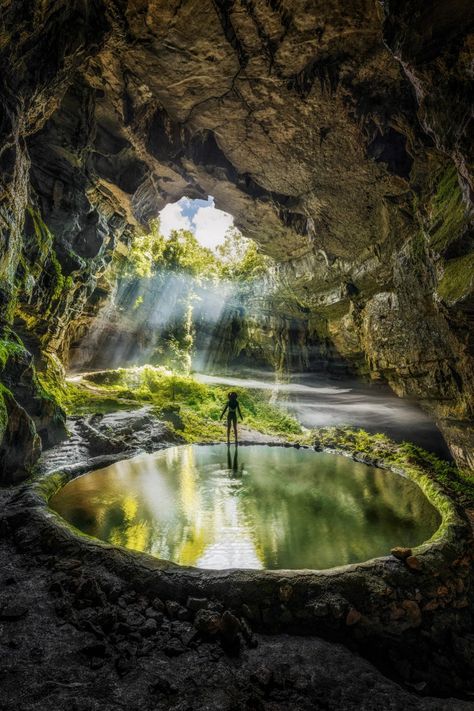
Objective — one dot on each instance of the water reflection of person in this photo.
(233, 408)
(233, 462)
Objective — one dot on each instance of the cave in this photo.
(271, 197)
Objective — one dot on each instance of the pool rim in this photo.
(46, 493)
(453, 525)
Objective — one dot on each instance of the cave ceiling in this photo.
(338, 135)
(296, 117)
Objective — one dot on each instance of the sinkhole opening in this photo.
(177, 295)
(210, 226)
(252, 507)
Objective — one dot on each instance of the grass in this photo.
(192, 408)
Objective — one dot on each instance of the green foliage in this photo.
(240, 258)
(448, 211)
(237, 259)
(151, 253)
(183, 253)
(457, 281)
(145, 252)
(199, 406)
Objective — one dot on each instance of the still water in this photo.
(251, 507)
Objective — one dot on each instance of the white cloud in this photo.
(172, 218)
(210, 226)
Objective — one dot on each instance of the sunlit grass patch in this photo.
(191, 407)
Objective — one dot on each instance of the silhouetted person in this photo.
(233, 408)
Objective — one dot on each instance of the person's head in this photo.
(232, 396)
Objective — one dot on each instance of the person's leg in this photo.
(235, 428)
(228, 430)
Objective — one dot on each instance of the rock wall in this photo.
(338, 134)
(177, 319)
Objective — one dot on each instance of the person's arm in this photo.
(223, 411)
(240, 413)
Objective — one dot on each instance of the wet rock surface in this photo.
(99, 439)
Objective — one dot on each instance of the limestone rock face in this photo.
(436, 56)
(336, 133)
(15, 461)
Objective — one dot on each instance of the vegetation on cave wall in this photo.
(448, 228)
(16, 457)
(447, 210)
(8, 349)
(457, 281)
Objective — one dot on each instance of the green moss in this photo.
(337, 311)
(8, 349)
(45, 244)
(3, 411)
(199, 406)
(460, 483)
(448, 211)
(44, 238)
(457, 281)
(418, 247)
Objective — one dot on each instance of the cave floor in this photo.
(73, 637)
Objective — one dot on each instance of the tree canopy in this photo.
(237, 259)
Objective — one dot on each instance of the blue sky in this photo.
(200, 216)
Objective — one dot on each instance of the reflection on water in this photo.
(252, 507)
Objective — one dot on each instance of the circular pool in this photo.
(257, 507)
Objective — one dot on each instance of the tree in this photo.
(240, 258)
(146, 251)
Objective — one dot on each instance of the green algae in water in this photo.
(254, 507)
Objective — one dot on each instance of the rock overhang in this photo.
(312, 125)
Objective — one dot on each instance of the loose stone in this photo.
(401, 553)
(353, 617)
(413, 563)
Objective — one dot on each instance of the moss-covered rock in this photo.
(20, 445)
(457, 282)
(30, 417)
